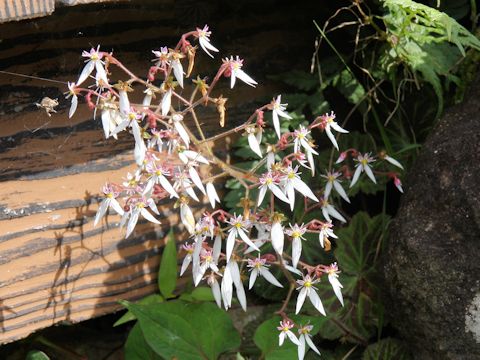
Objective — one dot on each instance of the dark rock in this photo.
(433, 260)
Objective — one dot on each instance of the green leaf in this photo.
(167, 275)
(358, 243)
(202, 293)
(36, 355)
(148, 300)
(136, 348)
(386, 349)
(187, 331)
(266, 337)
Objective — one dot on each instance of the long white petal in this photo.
(301, 347)
(149, 216)
(356, 175)
(254, 145)
(253, 277)
(101, 73)
(369, 172)
(388, 158)
(283, 114)
(278, 193)
(102, 209)
(124, 102)
(303, 189)
(217, 247)
(116, 206)
(276, 123)
(212, 194)
(261, 194)
(336, 287)
(131, 223)
(232, 79)
(182, 132)
(189, 190)
(292, 337)
(73, 106)
(277, 237)
(296, 250)
(167, 186)
(311, 344)
(332, 211)
(242, 75)
(328, 189)
(227, 288)
(338, 128)
(230, 244)
(178, 71)
(186, 216)
(87, 70)
(196, 179)
(316, 302)
(106, 123)
(341, 191)
(247, 240)
(166, 102)
(217, 293)
(186, 261)
(300, 299)
(290, 190)
(331, 137)
(281, 338)
(269, 277)
(325, 214)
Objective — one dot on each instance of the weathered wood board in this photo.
(54, 266)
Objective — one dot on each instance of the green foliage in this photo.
(36, 355)
(148, 300)
(167, 275)
(426, 40)
(387, 348)
(185, 330)
(136, 348)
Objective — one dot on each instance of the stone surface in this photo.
(433, 263)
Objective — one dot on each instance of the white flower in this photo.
(184, 183)
(362, 165)
(187, 155)
(108, 202)
(212, 194)
(305, 339)
(204, 40)
(278, 109)
(238, 229)
(269, 181)
(328, 210)
(285, 326)
(235, 70)
(333, 272)
(277, 236)
(206, 262)
(296, 233)
(94, 61)
(177, 122)
(111, 117)
(291, 182)
(307, 289)
(333, 182)
(326, 232)
(158, 176)
(72, 92)
(301, 141)
(329, 124)
(258, 267)
(162, 59)
(138, 208)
